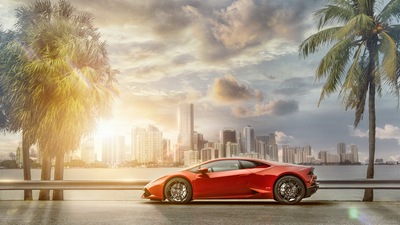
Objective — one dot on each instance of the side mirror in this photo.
(203, 170)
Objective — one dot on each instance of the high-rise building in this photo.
(87, 148)
(297, 155)
(262, 146)
(113, 150)
(208, 153)
(267, 148)
(287, 154)
(273, 153)
(331, 158)
(271, 139)
(19, 156)
(167, 154)
(185, 130)
(231, 149)
(248, 139)
(323, 156)
(219, 147)
(147, 145)
(307, 152)
(341, 151)
(227, 135)
(354, 153)
(191, 158)
(198, 140)
(261, 149)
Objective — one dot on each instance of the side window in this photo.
(223, 165)
(246, 164)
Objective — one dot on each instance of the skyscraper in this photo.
(198, 141)
(273, 153)
(88, 151)
(341, 151)
(147, 145)
(288, 154)
(354, 153)
(248, 139)
(271, 139)
(185, 130)
(262, 146)
(113, 150)
(227, 135)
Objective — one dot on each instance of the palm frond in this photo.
(333, 65)
(316, 41)
(388, 49)
(394, 32)
(390, 12)
(340, 11)
(356, 26)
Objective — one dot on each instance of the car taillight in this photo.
(146, 193)
(311, 172)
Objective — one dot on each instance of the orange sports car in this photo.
(235, 178)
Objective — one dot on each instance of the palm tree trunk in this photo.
(27, 165)
(59, 175)
(45, 175)
(369, 193)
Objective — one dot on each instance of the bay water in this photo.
(382, 172)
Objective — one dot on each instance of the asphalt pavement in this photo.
(145, 212)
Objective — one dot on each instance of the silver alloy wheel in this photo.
(289, 190)
(178, 190)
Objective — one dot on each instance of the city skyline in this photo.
(229, 146)
(236, 60)
(149, 147)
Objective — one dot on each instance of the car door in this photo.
(223, 179)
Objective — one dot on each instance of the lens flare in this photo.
(355, 214)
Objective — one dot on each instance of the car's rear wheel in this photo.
(289, 190)
(178, 190)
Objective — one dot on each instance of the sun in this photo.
(105, 129)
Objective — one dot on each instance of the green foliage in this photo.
(75, 164)
(364, 56)
(8, 164)
(98, 165)
(363, 50)
(59, 81)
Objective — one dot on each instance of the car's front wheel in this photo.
(178, 190)
(289, 190)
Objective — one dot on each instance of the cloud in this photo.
(283, 139)
(387, 132)
(246, 23)
(275, 108)
(9, 143)
(164, 18)
(395, 158)
(228, 90)
(247, 26)
(295, 86)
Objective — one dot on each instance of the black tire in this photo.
(289, 190)
(178, 190)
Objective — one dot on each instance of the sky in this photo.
(237, 61)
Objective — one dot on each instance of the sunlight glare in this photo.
(105, 129)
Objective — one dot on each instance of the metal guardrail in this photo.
(359, 184)
(73, 185)
(139, 184)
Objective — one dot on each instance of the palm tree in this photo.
(64, 83)
(363, 56)
(8, 62)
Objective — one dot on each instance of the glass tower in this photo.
(185, 130)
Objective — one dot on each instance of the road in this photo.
(145, 212)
